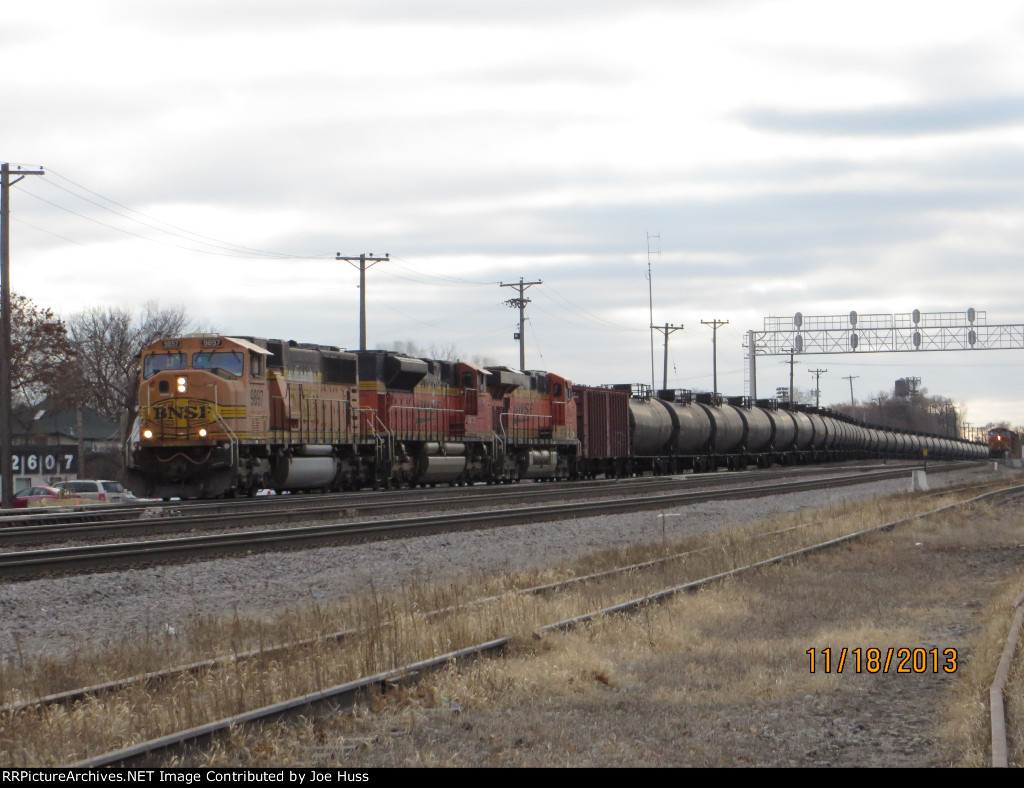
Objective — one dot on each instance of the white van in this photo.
(95, 490)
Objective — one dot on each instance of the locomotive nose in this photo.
(176, 468)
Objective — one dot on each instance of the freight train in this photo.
(1003, 444)
(220, 416)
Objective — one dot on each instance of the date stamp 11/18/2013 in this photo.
(882, 660)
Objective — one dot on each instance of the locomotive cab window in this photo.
(556, 390)
(256, 365)
(158, 362)
(467, 380)
(221, 362)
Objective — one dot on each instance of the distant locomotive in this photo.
(225, 415)
(1003, 444)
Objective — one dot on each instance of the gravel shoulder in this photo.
(722, 677)
(56, 616)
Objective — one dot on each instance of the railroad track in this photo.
(107, 520)
(71, 526)
(344, 696)
(116, 555)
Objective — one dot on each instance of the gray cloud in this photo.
(192, 16)
(969, 114)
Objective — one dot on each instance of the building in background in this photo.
(50, 445)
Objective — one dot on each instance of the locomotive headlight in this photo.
(181, 385)
(147, 434)
(202, 432)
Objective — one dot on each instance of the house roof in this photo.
(40, 420)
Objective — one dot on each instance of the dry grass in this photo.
(722, 632)
(721, 677)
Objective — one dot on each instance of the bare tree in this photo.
(41, 352)
(108, 342)
(448, 352)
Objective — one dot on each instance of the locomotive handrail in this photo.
(327, 434)
(232, 438)
(384, 435)
(373, 422)
(443, 431)
(522, 430)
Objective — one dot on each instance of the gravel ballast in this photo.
(57, 616)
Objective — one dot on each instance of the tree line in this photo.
(88, 360)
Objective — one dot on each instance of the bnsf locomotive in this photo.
(1003, 444)
(225, 415)
(220, 415)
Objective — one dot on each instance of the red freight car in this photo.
(602, 424)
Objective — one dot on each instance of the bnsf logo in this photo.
(184, 412)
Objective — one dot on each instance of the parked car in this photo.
(33, 496)
(101, 490)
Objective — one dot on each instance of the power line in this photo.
(206, 239)
(363, 259)
(817, 384)
(851, 378)
(667, 330)
(587, 314)
(715, 325)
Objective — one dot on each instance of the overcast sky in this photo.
(788, 155)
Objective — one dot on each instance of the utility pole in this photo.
(7, 470)
(817, 385)
(791, 362)
(851, 378)
(362, 260)
(668, 329)
(715, 324)
(520, 304)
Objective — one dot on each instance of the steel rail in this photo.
(210, 514)
(33, 563)
(997, 710)
(343, 695)
(347, 693)
(154, 677)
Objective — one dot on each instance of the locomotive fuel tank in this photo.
(303, 473)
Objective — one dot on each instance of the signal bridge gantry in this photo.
(908, 332)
